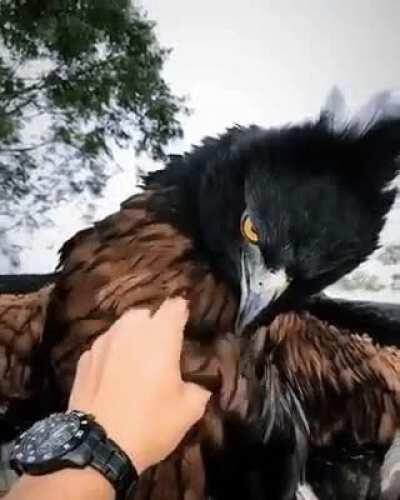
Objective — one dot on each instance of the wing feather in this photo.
(22, 319)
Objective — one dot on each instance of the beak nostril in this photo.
(259, 287)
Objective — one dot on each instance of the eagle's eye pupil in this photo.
(248, 229)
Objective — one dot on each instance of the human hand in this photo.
(130, 381)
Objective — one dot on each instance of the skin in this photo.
(131, 382)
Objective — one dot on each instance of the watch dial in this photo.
(49, 438)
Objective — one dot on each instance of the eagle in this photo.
(247, 227)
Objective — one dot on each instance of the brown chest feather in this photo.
(129, 260)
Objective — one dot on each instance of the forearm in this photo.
(66, 484)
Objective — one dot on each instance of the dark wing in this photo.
(348, 387)
(380, 320)
(22, 318)
(363, 472)
(343, 475)
(23, 306)
(25, 283)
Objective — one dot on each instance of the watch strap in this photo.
(93, 449)
(111, 461)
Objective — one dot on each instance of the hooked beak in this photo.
(259, 287)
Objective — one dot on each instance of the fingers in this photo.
(131, 322)
(131, 334)
(166, 327)
(196, 399)
(174, 314)
(172, 318)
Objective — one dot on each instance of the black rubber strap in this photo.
(112, 462)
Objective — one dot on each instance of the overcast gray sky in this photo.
(260, 61)
(270, 62)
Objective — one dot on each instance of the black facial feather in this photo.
(316, 196)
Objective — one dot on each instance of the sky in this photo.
(261, 61)
(275, 61)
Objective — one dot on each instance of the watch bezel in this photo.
(57, 456)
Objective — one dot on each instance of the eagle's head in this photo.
(283, 213)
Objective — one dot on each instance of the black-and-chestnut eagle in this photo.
(247, 226)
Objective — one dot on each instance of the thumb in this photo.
(196, 399)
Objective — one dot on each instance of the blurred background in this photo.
(88, 99)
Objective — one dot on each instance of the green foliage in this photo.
(77, 76)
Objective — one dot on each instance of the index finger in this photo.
(162, 331)
(172, 317)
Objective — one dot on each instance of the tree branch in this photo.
(25, 149)
(14, 95)
(21, 105)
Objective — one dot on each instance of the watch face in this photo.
(50, 438)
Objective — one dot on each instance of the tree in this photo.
(77, 78)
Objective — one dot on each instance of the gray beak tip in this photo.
(259, 286)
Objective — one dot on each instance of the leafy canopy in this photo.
(76, 78)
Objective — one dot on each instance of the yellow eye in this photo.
(248, 229)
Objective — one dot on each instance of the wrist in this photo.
(87, 479)
(73, 483)
(73, 440)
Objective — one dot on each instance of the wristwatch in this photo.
(73, 439)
